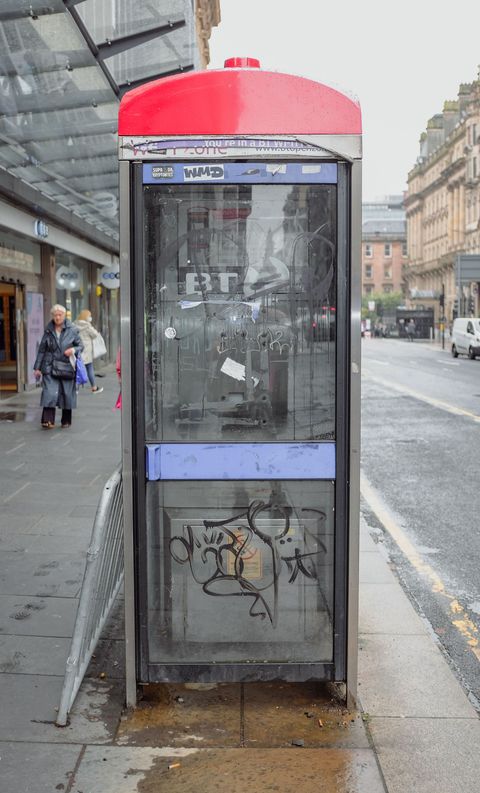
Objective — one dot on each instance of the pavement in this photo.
(415, 728)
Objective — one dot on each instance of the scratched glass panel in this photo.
(240, 312)
(243, 573)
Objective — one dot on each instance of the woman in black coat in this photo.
(59, 342)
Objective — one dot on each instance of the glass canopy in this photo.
(64, 65)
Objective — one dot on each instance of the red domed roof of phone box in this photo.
(237, 101)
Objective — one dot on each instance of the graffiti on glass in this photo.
(240, 557)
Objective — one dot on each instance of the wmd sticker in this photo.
(192, 173)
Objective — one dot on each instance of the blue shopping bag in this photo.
(81, 376)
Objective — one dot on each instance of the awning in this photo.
(64, 65)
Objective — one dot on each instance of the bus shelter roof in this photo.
(64, 66)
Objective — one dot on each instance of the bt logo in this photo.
(192, 282)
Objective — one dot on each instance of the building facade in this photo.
(443, 211)
(384, 246)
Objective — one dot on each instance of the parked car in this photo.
(466, 337)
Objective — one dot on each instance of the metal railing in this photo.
(101, 583)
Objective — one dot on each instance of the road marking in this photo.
(449, 363)
(437, 403)
(457, 614)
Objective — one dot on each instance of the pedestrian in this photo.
(55, 364)
(87, 334)
(411, 330)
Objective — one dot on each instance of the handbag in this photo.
(63, 370)
(81, 376)
(99, 346)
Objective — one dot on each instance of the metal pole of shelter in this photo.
(354, 495)
(127, 440)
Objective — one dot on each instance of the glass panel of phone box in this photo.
(240, 310)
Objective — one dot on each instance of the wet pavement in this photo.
(414, 731)
(249, 715)
(255, 736)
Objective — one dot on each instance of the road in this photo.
(421, 483)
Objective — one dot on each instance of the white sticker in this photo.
(271, 168)
(233, 369)
(170, 333)
(311, 168)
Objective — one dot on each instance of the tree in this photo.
(386, 304)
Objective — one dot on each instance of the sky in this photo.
(401, 60)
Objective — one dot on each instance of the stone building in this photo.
(443, 210)
(207, 17)
(384, 246)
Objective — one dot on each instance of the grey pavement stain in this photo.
(12, 664)
(26, 611)
(44, 569)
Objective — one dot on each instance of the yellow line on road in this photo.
(437, 403)
(457, 614)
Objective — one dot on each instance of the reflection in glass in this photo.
(240, 312)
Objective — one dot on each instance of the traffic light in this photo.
(471, 305)
(442, 299)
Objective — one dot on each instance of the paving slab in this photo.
(18, 523)
(261, 770)
(58, 524)
(28, 768)
(275, 714)
(185, 715)
(374, 570)
(428, 755)
(85, 510)
(37, 616)
(381, 610)
(58, 545)
(108, 659)
(34, 655)
(58, 493)
(408, 676)
(113, 769)
(41, 575)
(31, 701)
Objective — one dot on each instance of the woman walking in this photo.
(87, 335)
(53, 364)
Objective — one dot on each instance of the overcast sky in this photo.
(402, 61)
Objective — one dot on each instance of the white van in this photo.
(466, 337)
